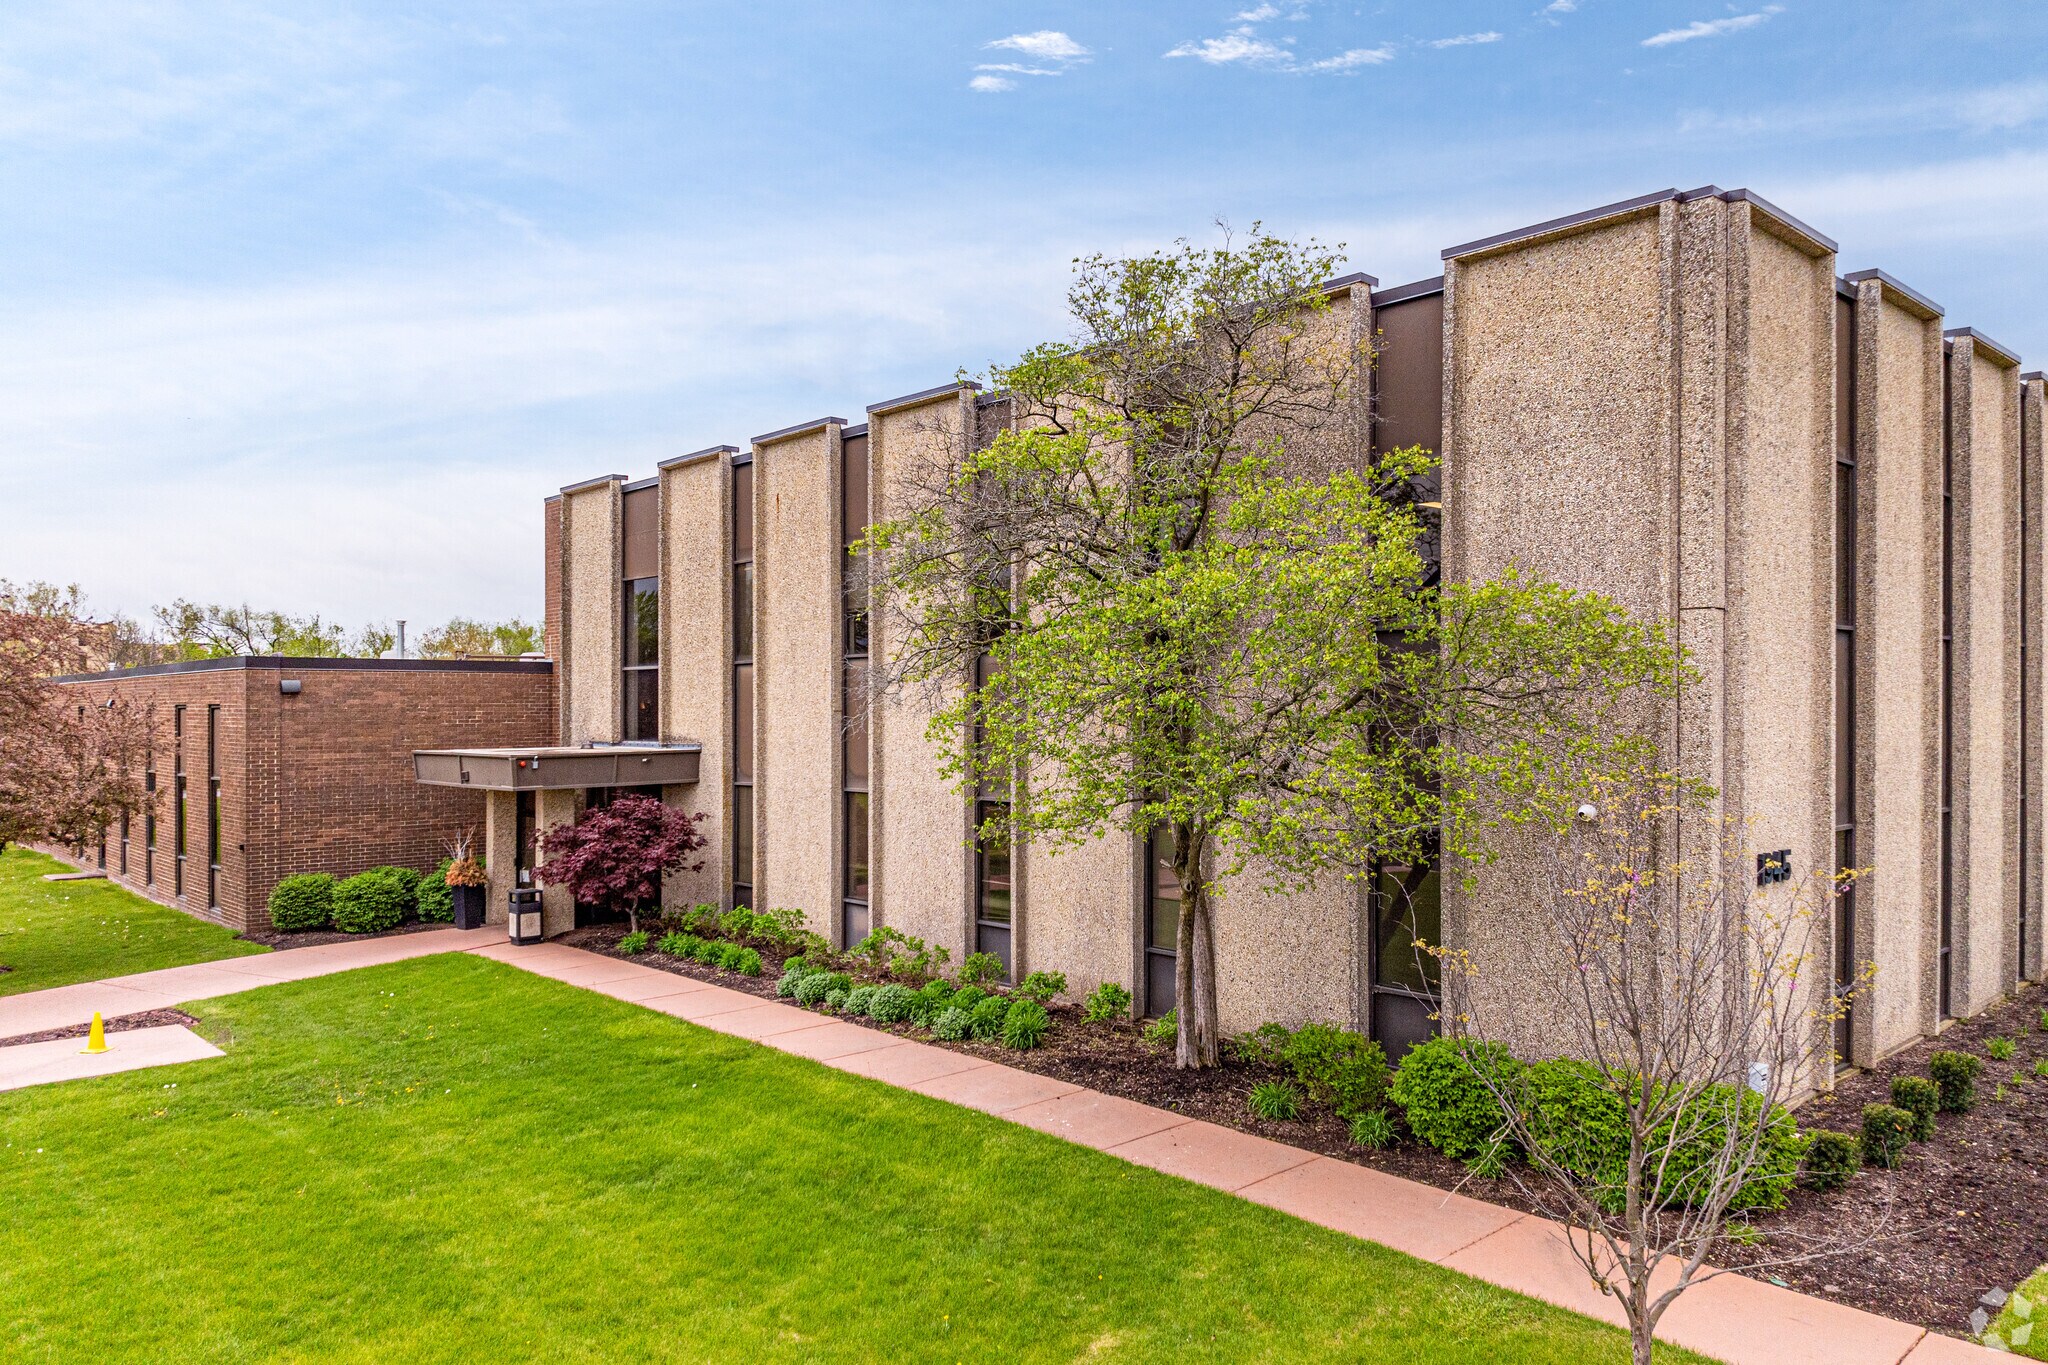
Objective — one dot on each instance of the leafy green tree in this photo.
(1201, 604)
(214, 631)
(464, 638)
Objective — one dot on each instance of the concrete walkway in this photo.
(65, 1059)
(1732, 1318)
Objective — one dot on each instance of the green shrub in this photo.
(304, 902)
(1577, 1120)
(785, 928)
(2044, 1021)
(857, 1000)
(747, 962)
(793, 971)
(1165, 1030)
(737, 922)
(1446, 1103)
(932, 1000)
(2001, 1049)
(1955, 1076)
(2041, 1068)
(701, 919)
(892, 1004)
(710, 952)
(435, 898)
(1832, 1159)
(371, 902)
(1107, 1002)
(1025, 1025)
(980, 967)
(835, 999)
(674, 944)
(1042, 988)
(1276, 1101)
(894, 953)
(1372, 1129)
(411, 881)
(1491, 1161)
(813, 987)
(1780, 1147)
(1919, 1097)
(987, 1018)
(952, 1024)
(634, 943)
(1886, 1131)
(967, 997)
(1337, 1067)
(731, 955)
(1260, 1046)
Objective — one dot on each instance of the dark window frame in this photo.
(640, 678)
(180, 806)
(213, 812)
(741, 622)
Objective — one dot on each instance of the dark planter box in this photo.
(469, 906)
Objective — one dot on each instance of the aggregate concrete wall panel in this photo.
(1289, 957)
(1898, 458)
(1084, 913)
(694, 541)
(797, 673)
(1984, 453)
(2033, 714)
(921, 877)
(592, 603)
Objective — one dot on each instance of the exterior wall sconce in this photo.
(288, 686)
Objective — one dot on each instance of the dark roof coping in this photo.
(593, 483)
(922, 396)
(651, 481)
(1401, 293)
(696, 455)
(800, 429)
(2034, 374)
(857, 429)
(296, 663)
(1757, 201)
(1351, 281)
(1637, 204)
(1998, 352)
(1898, 287)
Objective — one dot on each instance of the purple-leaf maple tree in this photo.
(616, 854)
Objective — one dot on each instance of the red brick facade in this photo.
(320, 781)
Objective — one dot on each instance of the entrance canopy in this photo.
(524, 770)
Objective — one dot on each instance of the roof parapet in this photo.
(1401, 293)
(588, 484)
(1901, 292)
(2009, 359)
(708, 452)
(911, 400)
(800, 429)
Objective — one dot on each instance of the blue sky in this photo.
(311, 305)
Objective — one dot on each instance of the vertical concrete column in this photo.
(921, 880)
(1661, 369)
(695, 558)
(1984, 587)
(2033, 714)
(796, 671)
(587, 673)
(557, 906)
(1898, 448)
(500, 853)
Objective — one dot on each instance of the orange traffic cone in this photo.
(98, 1041)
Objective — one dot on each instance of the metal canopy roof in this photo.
(558, 769)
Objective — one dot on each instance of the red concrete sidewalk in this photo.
(1733, 1318)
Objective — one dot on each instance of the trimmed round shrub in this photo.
(933, 998)
(411, 881)
(1955, 1076)
(1831, 1160)
(1886, 1131)
(793, 973)
(1025, 1025)
(435, 898)
(892, 1004)
(1275, 1101)
(952, 1024)
(835, 999)
(1919, 1097)
(371, 902)
(987, 1018)
(1779, 1149)
(1446, 1103)
(1577, 1121)
(812, 988)
(858, 999)
(304, 902)
(1337, 1067)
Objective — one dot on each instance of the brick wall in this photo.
(317, 782)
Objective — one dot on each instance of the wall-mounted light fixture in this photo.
(288, 686)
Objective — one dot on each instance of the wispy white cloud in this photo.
(1048, 45)
(1354, 59)
(1467, 39)
(2005, 106)
(1258, 15)
(1712, 28)
(1240, 45)
(991, 85)
(1561, 7)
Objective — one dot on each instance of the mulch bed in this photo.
(313, 938)
(1965, 1213)
(120, 1023)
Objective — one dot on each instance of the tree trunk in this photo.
(1196, 1044)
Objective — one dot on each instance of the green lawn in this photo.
(450, 1159)
(57, 933)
